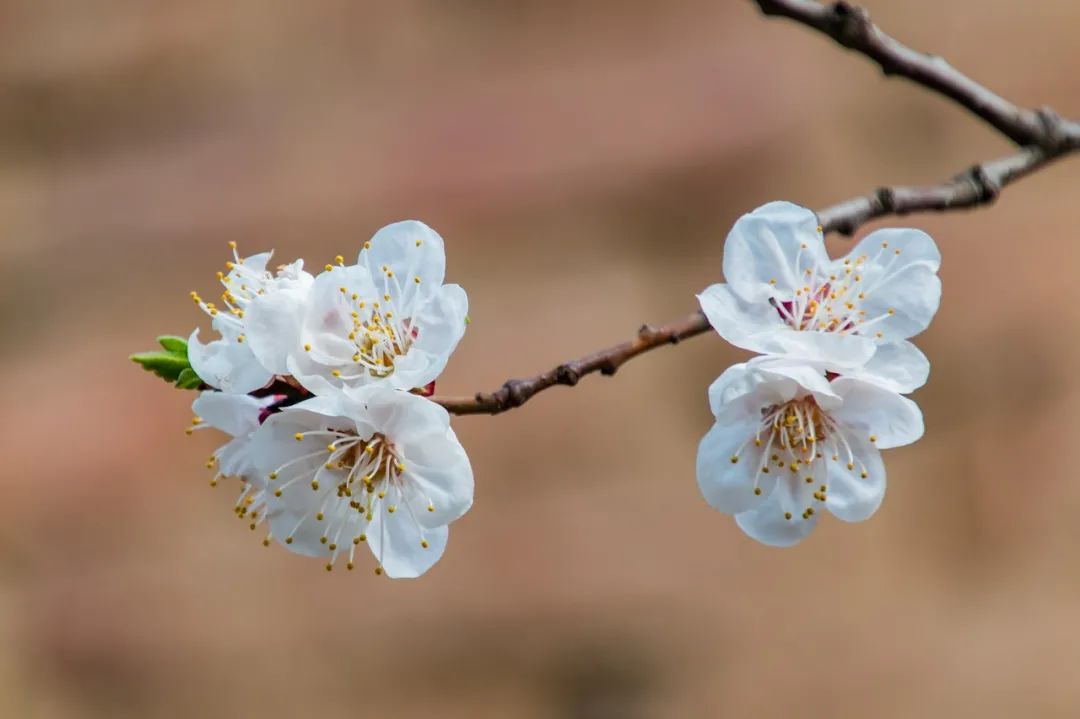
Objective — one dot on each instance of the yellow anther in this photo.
(350, 566)
(850, 466)
(367, 245)
(336, 373)
(787, 515)
(332, 547)
(315, 484)
(299, 436)
(319, 517)
(734, 460)
(266, 542)
(196, 420)
(382, 494)
(386, 297)
(328, 268)
(757, 491)
(864, 474)
(391, 509)
(229, 266)
(772, 282)
(277, 492)
(416, 280)
(809, 480)
(419, 242)
(399, 467)
(340, 260)
(431, 508)
(378, 571)
(307, 348)
(240, 339)
(329, 567)
(232, 244)
(891, 311)
(873, 438)
(288, 540)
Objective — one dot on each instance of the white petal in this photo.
(440, 324)
(783, 379)
(907, 283)
(409, 249)
(235, 414)
(747, 388)
(396, 543)
(256, 263)
(234, 460)
(328, 321)
(744, 324)
(227, 365)
(850, 496)
(438, 475)
(899, 366)
(767, 523)
(892, 419)
(272, 325)
(402, 416)
(726, 486)
(767, 244)
(836, 350)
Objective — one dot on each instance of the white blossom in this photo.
(788, 443)
(228, 363)
(784, 296)
(388, 319)
(373, 466)
(237, 415)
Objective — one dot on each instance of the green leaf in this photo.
(188, 379)
(166, 365)
(175, 345)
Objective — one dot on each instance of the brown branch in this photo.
(517, 392)
(850, 26)
(977, 186)
(1044, 136)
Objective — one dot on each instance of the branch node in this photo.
(1054, 137)
(886, 196)
(986, 187)
(567, 375)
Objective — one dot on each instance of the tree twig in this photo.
(1043, 136)
(850, 26)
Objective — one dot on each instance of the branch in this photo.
(1043, 135)
(850, 26)
(517, 392)
(977, 186)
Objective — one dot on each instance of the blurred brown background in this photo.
(584, 162)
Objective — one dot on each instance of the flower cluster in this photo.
(321, 381)
(798, 429)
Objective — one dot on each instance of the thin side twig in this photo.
(850, 26)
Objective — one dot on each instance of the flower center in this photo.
(832, 301)
(795, 439)
(356, 480)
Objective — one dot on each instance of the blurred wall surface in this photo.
(584, 161)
